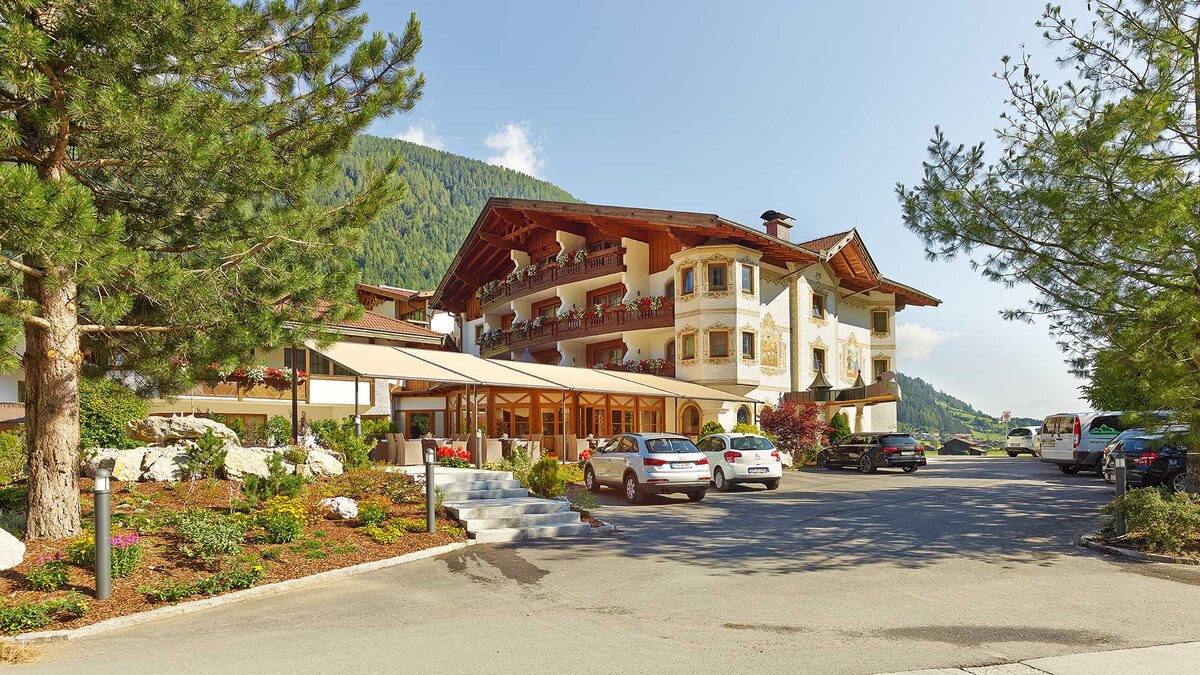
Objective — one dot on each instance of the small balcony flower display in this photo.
(595, 311)
(570, 257)
(651, 366)
(252, 375)
(488, 288)
(530, 272)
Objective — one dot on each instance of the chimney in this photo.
(777, 225)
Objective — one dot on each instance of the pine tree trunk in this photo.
(52, 360)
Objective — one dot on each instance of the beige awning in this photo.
(405, 363)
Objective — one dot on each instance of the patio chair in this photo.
(395, 445)
(493, 450)
(411, 451)
(571, 452)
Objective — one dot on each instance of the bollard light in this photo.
(101, 496)
(429, 450)
(1122, 485)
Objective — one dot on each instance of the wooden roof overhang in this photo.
(856, 270)
(505, 224)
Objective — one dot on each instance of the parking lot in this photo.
(969, 561)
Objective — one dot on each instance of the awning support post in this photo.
(357, 417)
(563, 420)
(295, 401)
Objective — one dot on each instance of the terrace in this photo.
(582, 324)
(523, 281)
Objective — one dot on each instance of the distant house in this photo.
(960, 445)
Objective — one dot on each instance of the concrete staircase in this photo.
(493, 507)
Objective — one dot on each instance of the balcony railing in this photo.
(613, 320)
(242, 391)
(666, 369)
(594, 265)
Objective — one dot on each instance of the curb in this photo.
(1090, 540)
(229, 598)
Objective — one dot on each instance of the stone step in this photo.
(443, 475)
(456, 487)
(524, 520)
(499, 493)
(502, 508)
(534, 532)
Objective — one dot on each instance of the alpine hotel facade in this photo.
(687, 295)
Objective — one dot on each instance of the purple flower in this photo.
(124, 541)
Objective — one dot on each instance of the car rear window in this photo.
(750, 443)
(897, 440)
(1021, 433)
(670, 445)
(1059, 425)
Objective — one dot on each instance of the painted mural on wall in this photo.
(851, 358)
(771, 343)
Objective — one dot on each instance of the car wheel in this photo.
(1012, 454)
(866, 464)
(772, 484)
(823, 460)
(695, 496)
(720, 481)
(1177, 482)
(1069, 469)
(589, 480)
(910, 469)
(633, 494)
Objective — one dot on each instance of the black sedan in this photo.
(1155, 460)
(869, 452)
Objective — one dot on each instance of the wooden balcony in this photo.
(668, 369)
(242, 391)
(552, 331)
(598, 264)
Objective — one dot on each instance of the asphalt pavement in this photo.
(969, 562)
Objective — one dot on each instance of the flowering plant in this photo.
(570, 257)
(488, 288)
(126, 554)
(513, 276)
(275, 377)
(531, 271)
(579, 256)
(454, 457)
(595, 311)
(282, 518)
(50, 574)
(535, 322)
(518, 326)
(584, 456)
(572, 313)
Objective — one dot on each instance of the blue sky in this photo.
(813, 109)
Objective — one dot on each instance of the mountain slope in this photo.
(925, 408)
(411, 244)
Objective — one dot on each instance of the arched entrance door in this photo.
(689, 420)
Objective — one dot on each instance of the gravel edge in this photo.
(1092, 540)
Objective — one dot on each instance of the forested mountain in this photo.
(924, 408)
(411, 244)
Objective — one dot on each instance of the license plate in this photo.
(758, 469)
(1048, 444)
(682, 465)
(908, 453)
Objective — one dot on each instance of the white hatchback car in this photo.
(642, 464)
(742, 458)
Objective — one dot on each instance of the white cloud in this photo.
(514, 149)
(421, 135)
(915, 342)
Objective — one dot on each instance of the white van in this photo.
(1022, 439)
(1075, 441)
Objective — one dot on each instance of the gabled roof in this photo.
(380, 322)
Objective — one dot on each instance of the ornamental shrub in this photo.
(546, 479)
(372, 511)
(282, 519)
(711, 427)
(222, 582)
(518, 462)
(338, 436)
(208, 536)
(105, 407)
(795, 428)
(386, 533)
(744, 428)
(839, 429)
(126, 555)
(206, 458)
(49, 575)
(279, 429)
(1165, 521)
(278, 482)
(12, 457)
(572, 474)
(26, 616)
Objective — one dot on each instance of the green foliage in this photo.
(14, 498)
(411, 244)
(210, 537)
(374, 429)
(711, 427)
(386, 533)
(411, 525)
(1163, 520)
(839, 427)
(518, 462)
(746, 429)
(13, 522)
(206, 458)
(795, 428)
(222, 582)
(126, 560)
(572, 474)
(372, 511)
(12, 456)
(27, 616)
(585, 502)
(82, 551)
(105, 407)
(278, 482)
(279, 428)
(546, 479)
(925, 408)
(49, 575)
(282, 519)
(338, 436)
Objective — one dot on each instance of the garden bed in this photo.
(166, 572)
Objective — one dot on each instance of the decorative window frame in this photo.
(888, 320)
(681, 341)
(742, 266)
(708, 267)
(815, 345)
(748, 329)
(681, 294)
(718, 327)
(824, 318)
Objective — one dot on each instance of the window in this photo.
(20, 391)
(878, 368)
(743, 415)
(478, 333)
(295, 359)
(670, 351)
(818, 307)
(669, 291)
(316, 363)
(747, 279)
(606, 296)
(747, 344)
(689, 346)
(718, 343)
(718, 276)
(879, 322)
(687, 281)
(818, 360)
(607, 356)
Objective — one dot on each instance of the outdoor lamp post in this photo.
(103, 541)
(429, 451)
(1119, 459)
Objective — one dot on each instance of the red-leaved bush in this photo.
(795, 428)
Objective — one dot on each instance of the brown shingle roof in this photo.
(373, 321)
(821, 244)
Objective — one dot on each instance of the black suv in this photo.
(1155, 459)
(869, 452)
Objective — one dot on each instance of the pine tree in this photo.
(157, 164)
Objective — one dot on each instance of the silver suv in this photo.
(642, 464)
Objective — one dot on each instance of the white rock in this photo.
(242, 462)
(167, 466)
(12, 551)
(125, 465)
(164, 429)
(339, 507)
(321, 463)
